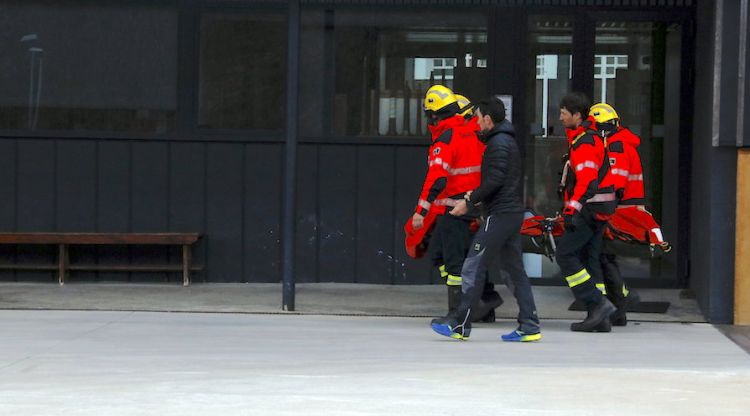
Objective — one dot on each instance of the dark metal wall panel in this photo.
(410, 171)
(307, 217)
(113, 202)
(376, 256)
(262, 212)
(337, 191)
(506, 3)
(224, 226)
(8, 206)
(75, 190)
(187, 197)
(36, 203)
(713, 184)
(149, 202)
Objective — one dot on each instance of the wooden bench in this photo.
(64, 240)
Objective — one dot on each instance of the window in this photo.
(549, 71)
(365, 73)
(88, 68)
(637, 71)
(242, 71)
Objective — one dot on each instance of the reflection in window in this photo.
(88, 68)
(242, 71)
(549, 79)
(549, 73)
(383, 63)
(605, 69)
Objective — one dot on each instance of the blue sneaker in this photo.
(520, 336)
(449, 327)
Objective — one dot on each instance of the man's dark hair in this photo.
(492, 107)
(576, 102)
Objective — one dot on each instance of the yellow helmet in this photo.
(464, 104)
(437, 98)
(603, 113)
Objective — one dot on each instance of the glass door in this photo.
(637, 68)
(637, 71)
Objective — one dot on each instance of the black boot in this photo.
(454, 298)
(619, 318)
(485, 310)
(597, 319)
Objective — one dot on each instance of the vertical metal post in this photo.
(290, 165)
(186, 259)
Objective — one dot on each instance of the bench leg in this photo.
(185, 264)
(62, 263)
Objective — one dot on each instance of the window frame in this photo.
(486, 10)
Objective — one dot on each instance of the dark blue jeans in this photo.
(498, 244)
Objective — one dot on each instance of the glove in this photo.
(568, 214)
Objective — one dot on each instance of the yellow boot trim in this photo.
(578, 278)
(443, 273)
(453, 280)
(602, 288)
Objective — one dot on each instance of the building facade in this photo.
(187, 115)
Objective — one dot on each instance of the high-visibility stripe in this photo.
(453, 280)
(575, 204)
(443, 272)
(625, 290)
(635, 177)
(439, 161)
(424, 204)
(620, 172)
(602, 288)
(578, 278)
(448, 202)
(587, 164)
(465, 171)
(602, 198)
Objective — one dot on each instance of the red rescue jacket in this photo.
(623, 150)
(454, 164)
(589, 180)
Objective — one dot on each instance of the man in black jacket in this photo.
(498, 240)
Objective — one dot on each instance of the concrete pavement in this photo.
(143, 363)
(311, 298)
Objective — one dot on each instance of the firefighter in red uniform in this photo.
(627, 172)
(589, 196)
(454, 163)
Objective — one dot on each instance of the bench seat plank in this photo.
(99, 238)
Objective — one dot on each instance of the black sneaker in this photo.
(597, 319)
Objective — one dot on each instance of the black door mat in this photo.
(641, 307)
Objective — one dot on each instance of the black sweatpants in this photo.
(498, 243)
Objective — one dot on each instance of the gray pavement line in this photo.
(119, 318)
(298, 313)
